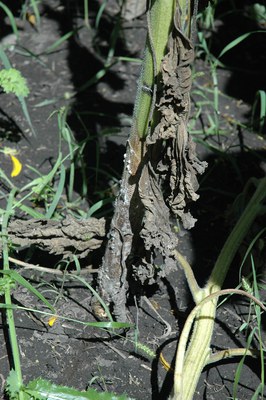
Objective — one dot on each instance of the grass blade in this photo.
(4, 58)
(260, 97)
(97, 206)
(86, 13)
(26, 114)
(41, 182)
(99, 14)
(99, 75)
(236, 41)
(58, 193)
(30, 211)
(7, 65)
(58, 42)
(11, 18)
(100, 325)
(99, 299)
(23, 282)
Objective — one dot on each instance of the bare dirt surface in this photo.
(68, 352)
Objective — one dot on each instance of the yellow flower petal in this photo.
(17, 166)
(51, 321)
(31, 18)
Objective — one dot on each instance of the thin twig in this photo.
(26, 265)
(120, 353)
(168, 329)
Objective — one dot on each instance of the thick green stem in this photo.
(236, 237)
(203, 317)
(190, 363)
(160, 20)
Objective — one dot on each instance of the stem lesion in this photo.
(123, 247)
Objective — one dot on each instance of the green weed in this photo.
(259, 103)
(18, 87)
(10, 278)
(11, 18)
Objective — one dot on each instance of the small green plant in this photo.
(46, 191)
(214, 63)
(39, 389)
(257, 12)
(207, 99)
(12, 81)
(15, 83)
(206, 17)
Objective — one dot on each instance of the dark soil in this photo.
(69, 353)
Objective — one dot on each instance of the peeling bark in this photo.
(61, 238)
(174, 157)
(159, 179)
